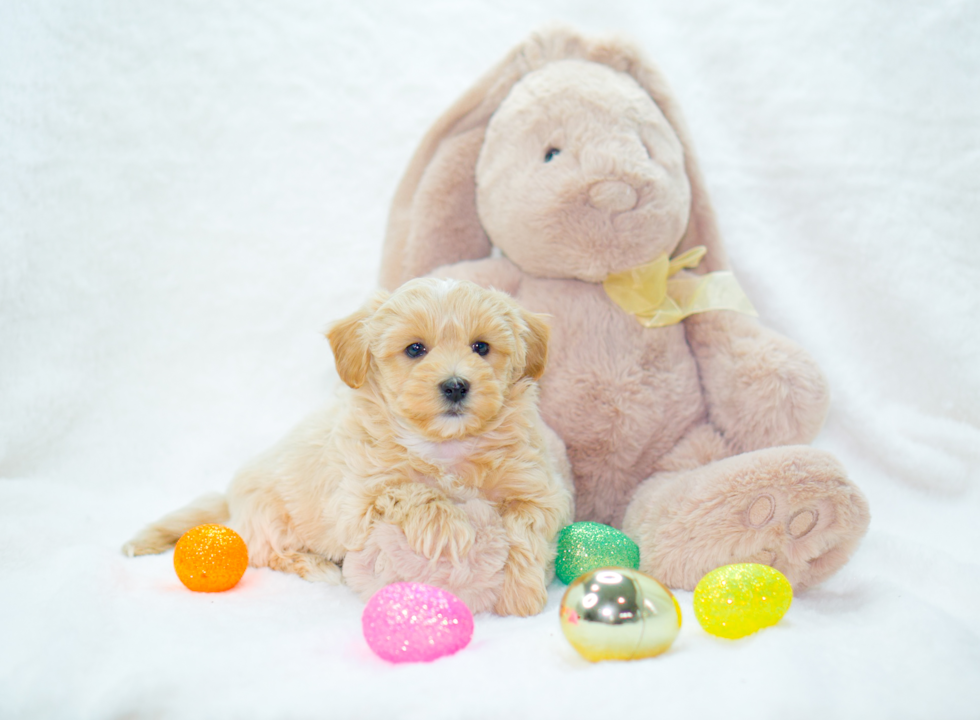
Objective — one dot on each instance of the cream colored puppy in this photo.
(442, 409)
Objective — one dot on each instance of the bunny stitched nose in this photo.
(454, 390)
(613, 196)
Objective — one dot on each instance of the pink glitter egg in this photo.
(412, 622)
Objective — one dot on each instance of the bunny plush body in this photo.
(567, 165)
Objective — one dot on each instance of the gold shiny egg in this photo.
(618, 614)
(737, 600)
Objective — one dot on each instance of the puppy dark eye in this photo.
(480, 347)
(550, 155)
(415, 350)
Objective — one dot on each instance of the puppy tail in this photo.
(165, 532)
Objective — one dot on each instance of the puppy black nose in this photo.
(455, 389)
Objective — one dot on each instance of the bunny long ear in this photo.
(702, 227)
(433, 219)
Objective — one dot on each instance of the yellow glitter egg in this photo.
(737, 600)
(615, 613)
(210, 558)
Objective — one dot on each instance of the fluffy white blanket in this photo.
(189, 192)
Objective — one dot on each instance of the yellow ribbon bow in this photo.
(657, 298)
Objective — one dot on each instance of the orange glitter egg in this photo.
(210, 558)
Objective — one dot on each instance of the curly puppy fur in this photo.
(441, 411)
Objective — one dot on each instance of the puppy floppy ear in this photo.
(350, 345)
(535, 338)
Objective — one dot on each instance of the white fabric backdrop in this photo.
(190, 192)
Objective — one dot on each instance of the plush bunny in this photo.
(566, 178)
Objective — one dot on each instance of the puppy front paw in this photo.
(521, 598)
(438, 527)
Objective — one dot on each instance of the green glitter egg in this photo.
(586, 546)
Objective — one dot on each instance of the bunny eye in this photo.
(550, 155)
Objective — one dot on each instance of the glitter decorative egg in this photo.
(619, 614)
(586, 546)
(210, 558)
(737, 600)
(412, 622)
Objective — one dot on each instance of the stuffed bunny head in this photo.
(570, 156)
(581, 175)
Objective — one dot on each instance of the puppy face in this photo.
(442, 353)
